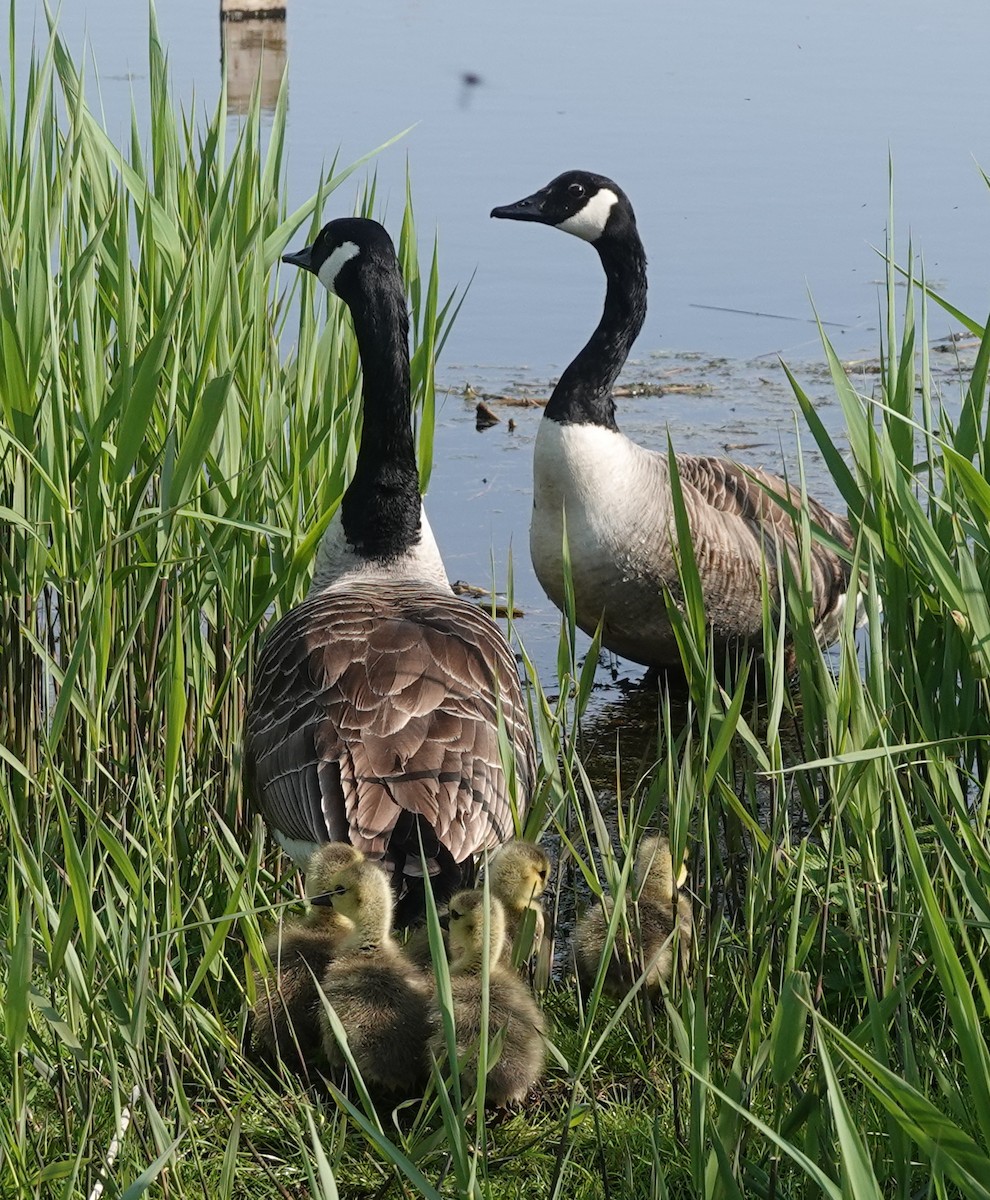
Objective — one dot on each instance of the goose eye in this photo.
(454, 915)
(576, 190)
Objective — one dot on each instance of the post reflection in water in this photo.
(253, 46)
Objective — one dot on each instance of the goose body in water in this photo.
(615, 495)
(374, 715)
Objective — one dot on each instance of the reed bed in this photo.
(167, 466)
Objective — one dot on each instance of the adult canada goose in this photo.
(515, 1023)
(382, 1001)
(517, 875)
(660, 908)
(375, 708)
(617, 495)
(285, 1025)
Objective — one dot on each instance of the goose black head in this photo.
(342, 250)
(577, 202)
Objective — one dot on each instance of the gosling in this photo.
(285, 1025)
(517, 875)
(515, 1064)
(660, 909)
(380, 999)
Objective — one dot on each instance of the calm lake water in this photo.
(752, 139)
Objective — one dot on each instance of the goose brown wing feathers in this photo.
(371, 705)
(716, 488)
(748, 492)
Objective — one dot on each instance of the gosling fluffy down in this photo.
(517, 875)
(380, 999)
(285, 1025)
(659, 909)
(517, 1049)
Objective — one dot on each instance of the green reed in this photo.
(166, 471)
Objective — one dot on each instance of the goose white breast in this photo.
(616, 495)
(376, 702)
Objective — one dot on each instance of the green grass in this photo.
(166, 468)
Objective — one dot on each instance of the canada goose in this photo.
(382, 1002)
(517, 874)
(375, 707)
(659, 909)
(617, 495)
(285, 1024)
(514, 1018)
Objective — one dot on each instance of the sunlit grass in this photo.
(167, 464)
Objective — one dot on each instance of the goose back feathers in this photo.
(374, 713)
(616, 495)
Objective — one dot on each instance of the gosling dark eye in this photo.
(455, 916)
(576, 190)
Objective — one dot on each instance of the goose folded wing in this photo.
(386, 707)
(734, 512)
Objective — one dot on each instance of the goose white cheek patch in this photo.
(328, 272)
(589, 223)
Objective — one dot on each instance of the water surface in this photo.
(753, 140)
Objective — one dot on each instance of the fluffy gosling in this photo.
(660, 908)
(382, 1002)
(517, 875)
(515, 1023)
(285, 1024)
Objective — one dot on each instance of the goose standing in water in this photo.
(375, 708)
(616, 495)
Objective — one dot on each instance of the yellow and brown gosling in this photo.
(660, 908)
(381, 1000)
(518, 872)
(517, 875)
(285, 1024)
(517, 1048)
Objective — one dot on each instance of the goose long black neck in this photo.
(584, 393)
(380, 512)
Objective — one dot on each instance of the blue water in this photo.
(753, 140)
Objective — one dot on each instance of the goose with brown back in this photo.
(374, 716)
(614, 497)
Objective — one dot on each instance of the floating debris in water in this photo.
(484, 418)
(460, 587)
